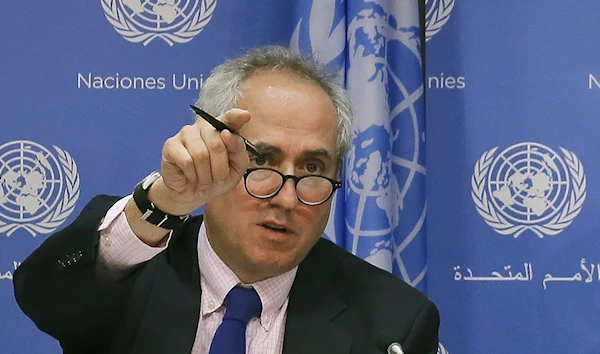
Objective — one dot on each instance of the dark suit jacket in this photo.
(338, 303)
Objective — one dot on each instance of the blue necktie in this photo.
(241, 305)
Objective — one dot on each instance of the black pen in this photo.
(220, 126)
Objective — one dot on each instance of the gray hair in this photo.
(223, 88)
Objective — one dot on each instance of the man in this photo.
(135, 275)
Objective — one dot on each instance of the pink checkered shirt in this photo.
(120, 251)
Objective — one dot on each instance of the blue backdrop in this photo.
(497, 226)
(512, 175)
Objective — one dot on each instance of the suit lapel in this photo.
(171, 317)
(312, 307)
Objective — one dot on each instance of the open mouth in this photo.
(274, 227)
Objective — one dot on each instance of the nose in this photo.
(286, 197)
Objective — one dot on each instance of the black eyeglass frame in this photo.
(335, 184)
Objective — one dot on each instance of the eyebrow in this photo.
(269, 149)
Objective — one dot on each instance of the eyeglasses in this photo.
(263, 183)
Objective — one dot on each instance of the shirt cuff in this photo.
(119, 249)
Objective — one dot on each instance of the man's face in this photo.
(294, 122)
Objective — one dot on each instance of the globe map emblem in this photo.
(38, 188)
(528, 187)
(31, 181)
(174, 21)
(385, 167)
(529, 182)
(159, 15)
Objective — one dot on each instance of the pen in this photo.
(220, 126)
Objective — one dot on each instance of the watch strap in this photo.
(150, 212)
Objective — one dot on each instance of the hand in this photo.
(200, 164)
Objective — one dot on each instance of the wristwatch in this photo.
(150, 212)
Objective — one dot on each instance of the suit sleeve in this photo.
(57, 288)
(423, 336)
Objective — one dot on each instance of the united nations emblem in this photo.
(385, 169)
(174, 21)
(528, 186)
(438, 13)
(38, 190)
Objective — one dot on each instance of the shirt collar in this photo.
(217, 279)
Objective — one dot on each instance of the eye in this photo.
(259, 160)
(312, 167)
